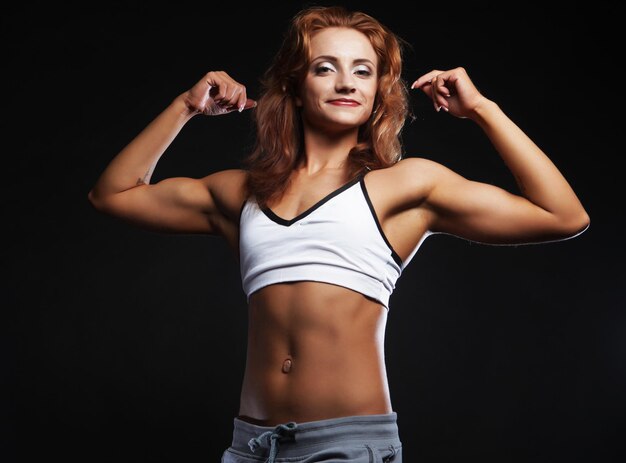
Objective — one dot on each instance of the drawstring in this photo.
(392, 456)
(271, 439)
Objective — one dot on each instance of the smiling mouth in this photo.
(344, 102)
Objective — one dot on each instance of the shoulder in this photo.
(228, 190)
(406, 184)
(231, 179)
(408, 173)
(417, 166)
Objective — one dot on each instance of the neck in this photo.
(326, 152)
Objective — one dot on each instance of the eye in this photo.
(363, 71)
(324, 68)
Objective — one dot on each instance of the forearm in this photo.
(536, 175)
(136, 162)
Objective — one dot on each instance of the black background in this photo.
(125, 345)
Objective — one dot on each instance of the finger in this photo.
(426, 78)
(236, 95)
(440, 93)
(249, 104)
(232, 95)
(220, 93)
(238, 99)
(426, 88)
(216, 85)
(224, 85)
(433, 85)
(235, 98)
(227, 100)
(433, 93)
(213, 90)
(442, 86)
(242, 98)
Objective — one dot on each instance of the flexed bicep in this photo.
(488, 214)
(208, 205)
(173, 205)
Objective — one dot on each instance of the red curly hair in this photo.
(279, 143)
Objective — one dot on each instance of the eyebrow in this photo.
(335, 59)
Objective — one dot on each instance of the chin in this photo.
(339, 122)
(348, 120)
(342, 126)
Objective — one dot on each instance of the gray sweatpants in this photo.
(362, 438)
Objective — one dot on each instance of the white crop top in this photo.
(338, 240)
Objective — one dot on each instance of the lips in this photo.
(344, 102)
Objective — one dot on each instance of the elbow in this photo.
(582, 223)
(585, 221)
(576, 225)
(95, 200)
(91, 197)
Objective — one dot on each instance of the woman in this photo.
(324, 217)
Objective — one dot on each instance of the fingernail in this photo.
(444, 108)
(241, 107)
(438, 108)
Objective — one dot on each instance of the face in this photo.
(340, 85)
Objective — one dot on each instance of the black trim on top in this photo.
(279, 220)
(394, 254)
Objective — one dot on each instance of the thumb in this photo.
(250, 103)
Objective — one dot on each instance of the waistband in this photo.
(296, 439)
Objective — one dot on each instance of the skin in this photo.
(316, 350)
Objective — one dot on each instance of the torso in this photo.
(316, 350)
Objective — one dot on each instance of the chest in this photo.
(341, 227)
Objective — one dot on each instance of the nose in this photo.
(345, 83)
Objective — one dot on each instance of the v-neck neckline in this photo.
(276, 218)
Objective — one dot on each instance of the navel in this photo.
(286, 366)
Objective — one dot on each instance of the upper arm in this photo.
(179, 204)
(482, 212)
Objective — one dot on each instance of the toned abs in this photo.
(315, 351)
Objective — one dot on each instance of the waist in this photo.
(379, 430)
(314, 356)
